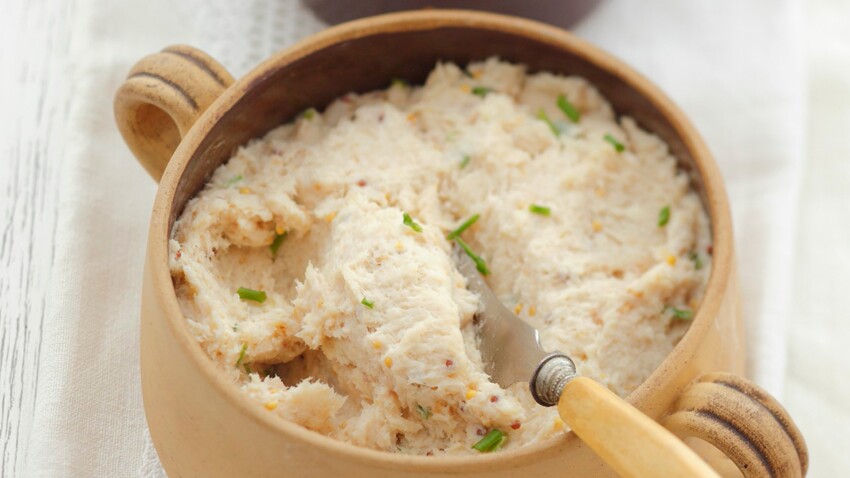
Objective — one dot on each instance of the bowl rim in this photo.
(674, 363)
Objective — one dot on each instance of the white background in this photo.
(766, 82)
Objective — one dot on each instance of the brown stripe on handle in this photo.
(173, 85)
(764, 401)
(758, 452)
(199, 62)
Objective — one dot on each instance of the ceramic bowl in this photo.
(183, 115)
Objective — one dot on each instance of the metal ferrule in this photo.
(550, 377)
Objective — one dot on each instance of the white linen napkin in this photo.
(733, 66)
(818, 392)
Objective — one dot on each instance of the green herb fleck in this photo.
(400, 83)
(465, 161)
(242, 354)
(278, 240)
(233, 180)
(492, 441)
(424, 412)
(664, 216)
(541, 115)
(538, 209)
(696, 260)
(247, 369)
(481, 91)
(616, 144)
(684, 314)
(569, 109)
(466, 225)
(408, 221)
(368, 303)
(309, 113)
(251, 294)
(480, 264)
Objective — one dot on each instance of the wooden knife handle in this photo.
(633, 444)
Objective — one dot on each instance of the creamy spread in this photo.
(589, 231)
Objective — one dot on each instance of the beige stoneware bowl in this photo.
(183, 115)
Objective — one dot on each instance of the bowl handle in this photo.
(162, 97)
(744, 422)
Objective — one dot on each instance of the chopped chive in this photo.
(616, 144)
(696, 259)
(538, 209)
(481, 91)
(492, 441)
(424, 412)
(480, 264)
(251, 294)
(569, 109)
(408, 221)
(233, 180)
(466, 225)
(684, 314)
(401, 83)
(242, 354)
(465, 161)
(541, 115)
(278, 240)
(309, 113)
(664, 216)
(368, 303)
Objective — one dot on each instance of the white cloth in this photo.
(733, 66)
(818, 392)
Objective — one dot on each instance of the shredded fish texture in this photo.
(353, 320)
